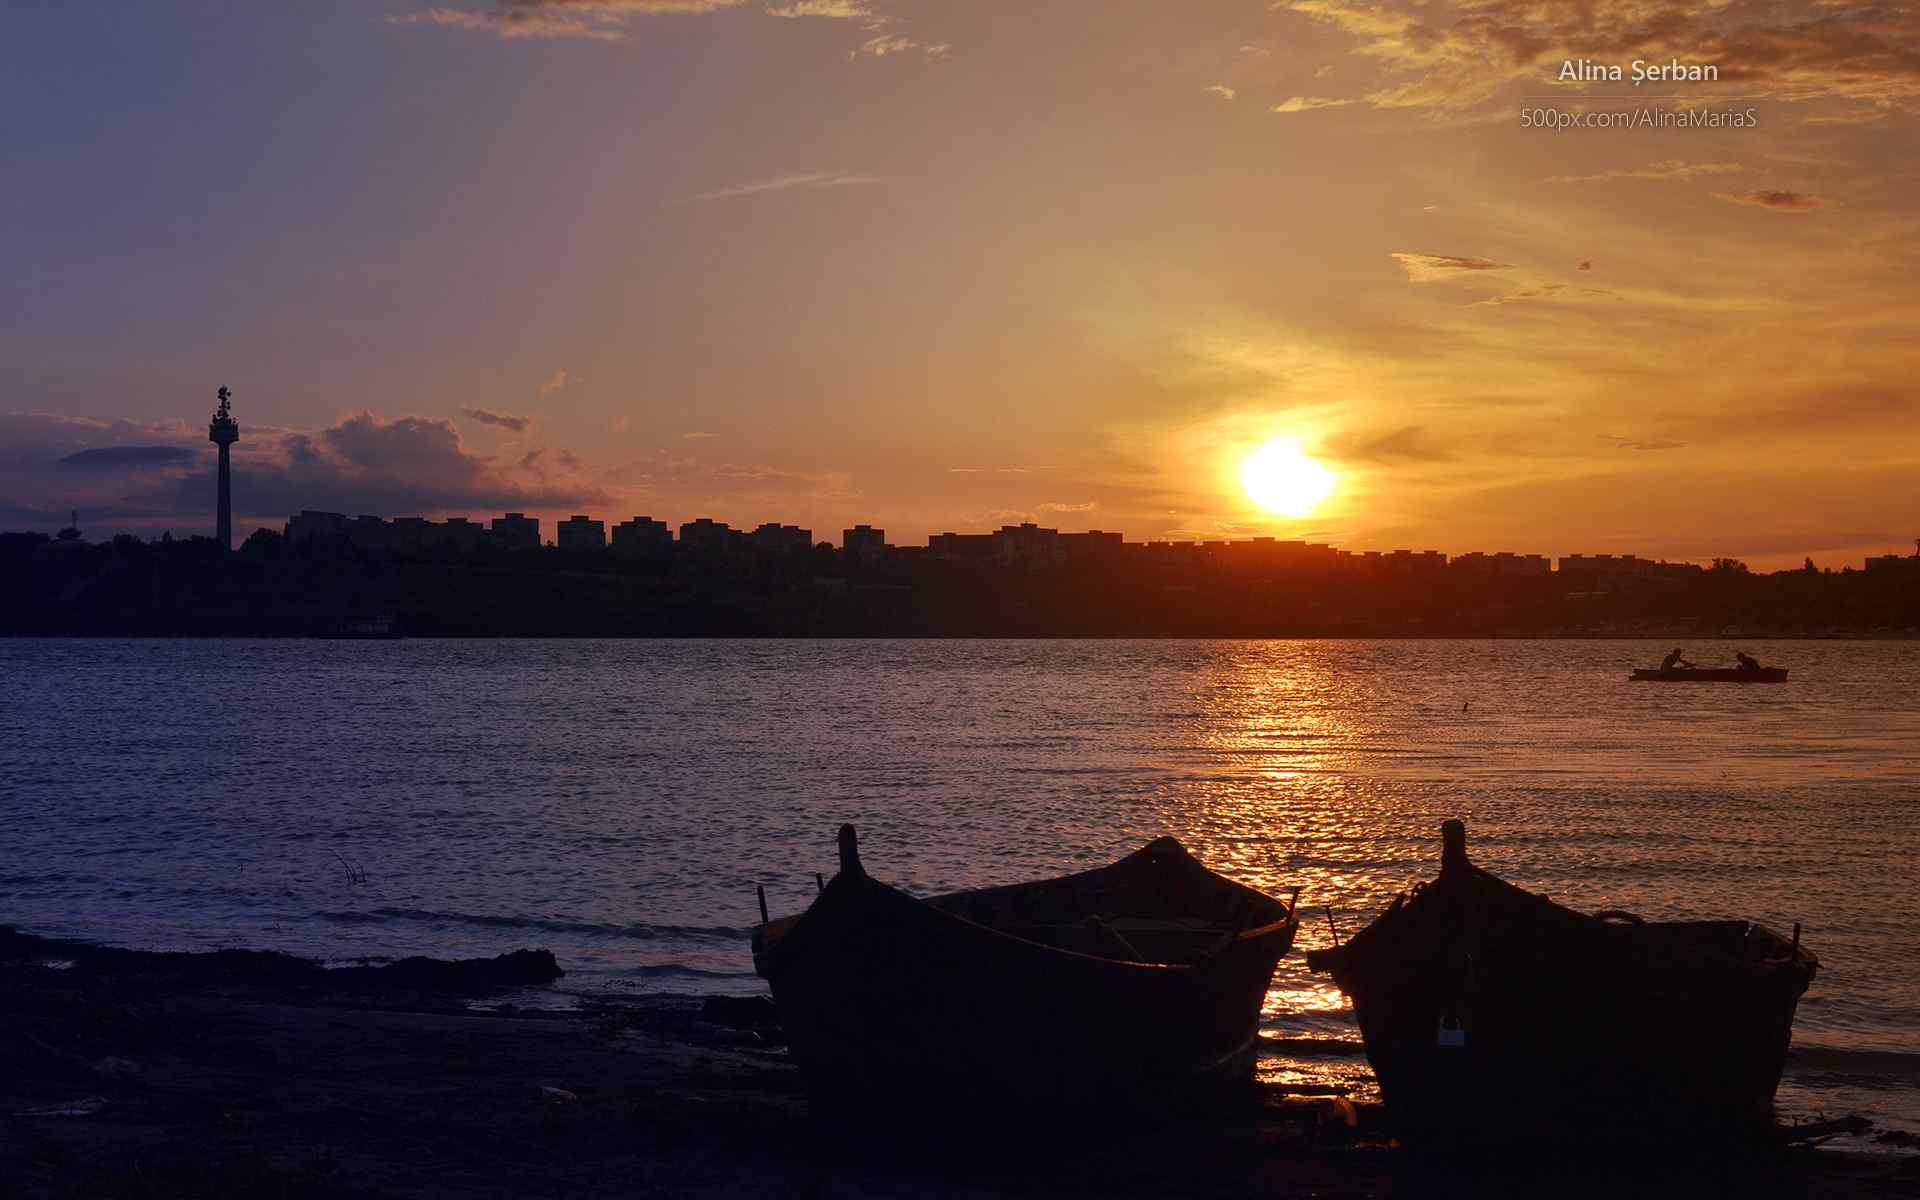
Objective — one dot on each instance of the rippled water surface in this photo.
(618, 801)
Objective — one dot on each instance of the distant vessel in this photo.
(1118, 987)
(1491, 1014)
(1710, 675)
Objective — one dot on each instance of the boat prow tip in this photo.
(850, 851)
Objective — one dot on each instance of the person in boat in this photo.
(1747, 662)
(1675, 662)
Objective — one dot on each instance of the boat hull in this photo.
(1710, 675)
(907, 1009)
(1571, 1027)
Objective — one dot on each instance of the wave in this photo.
(639, 931)
(1311, 1047)
(1888, 1065)
(657, 970)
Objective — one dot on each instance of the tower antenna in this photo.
(224, 431)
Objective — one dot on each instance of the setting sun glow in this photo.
(1280, 478)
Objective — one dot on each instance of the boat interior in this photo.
(1155, 906)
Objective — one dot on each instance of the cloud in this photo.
(502, 25)
(1307, 104)
(555, 382)
(512, 421)
(692, 482)
(836, 9)
(1672, 168)
(107, 457)
(1431, 268)
(1221, 90)
(1409, 444)
(588, 20)
(1520, 295)
(1774, 201)
(362, 463)
(881, 45)
(1855, 116)
(696, 435)
(1586, 264)
(1056, 507)
(782, 183)
(1783, 49)
(1632, 444)
(1257, 51)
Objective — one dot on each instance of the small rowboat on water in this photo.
(1492, 1014)
(1710, 675)
(1112, 988)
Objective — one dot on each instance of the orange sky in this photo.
(948, 265)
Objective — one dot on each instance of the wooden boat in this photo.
(1492, 1014)
(1114, 988)
(1710, 675)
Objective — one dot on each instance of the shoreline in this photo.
(238, 1073)
(1893, 636)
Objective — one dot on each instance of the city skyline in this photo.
(950, 267)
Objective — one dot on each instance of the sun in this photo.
(1280, 478)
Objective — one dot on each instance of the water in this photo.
(618, 801)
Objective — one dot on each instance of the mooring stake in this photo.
(762, 891)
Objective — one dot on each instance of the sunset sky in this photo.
(947, 265)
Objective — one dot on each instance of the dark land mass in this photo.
(125, 1074)
(329, 587)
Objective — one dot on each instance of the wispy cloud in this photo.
(1408, 444)
(881, 45)
(1522, 295)
(1672, 168)
(511, 25)
(1789, 49)
(1647, 446)
(782, 183)
(1061, 507)
(108, 457)
(1307, 104)
(1221, 90)
(589, 20)
(486, 416)
(1774, 201)
(1431, 268)
(557, 381)
(845, 10)
(1852, 116)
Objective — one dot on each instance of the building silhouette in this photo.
(641, 535)
(775, 538)
(516, 531)
(581, 533)
(223, 431)
(864, 544)
(705, 533)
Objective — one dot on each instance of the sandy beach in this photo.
(251, 1074)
